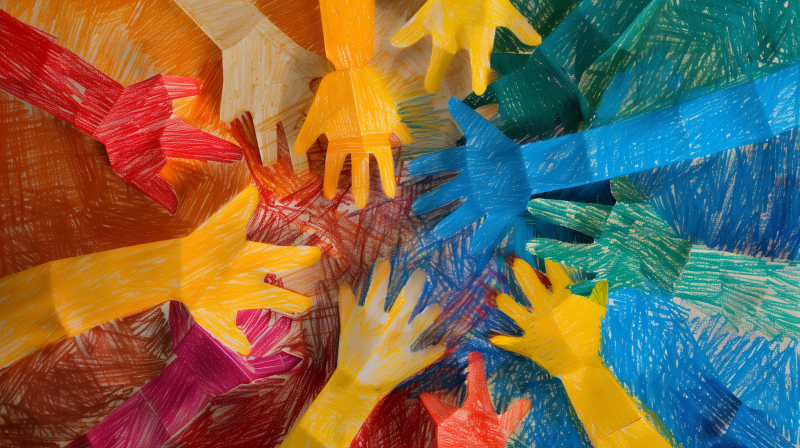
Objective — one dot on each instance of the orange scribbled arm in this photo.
(215, 271)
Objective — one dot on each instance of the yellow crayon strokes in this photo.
(562, 334)
(215, 271)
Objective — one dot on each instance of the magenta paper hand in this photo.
(203, 369)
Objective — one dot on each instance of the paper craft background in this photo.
(60, 198)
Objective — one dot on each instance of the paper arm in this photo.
(562, 335)
(457, 24)
(498, 177)
(264, 71)
(215, 271)
(375, 355)
(353, 107)
(475, 424)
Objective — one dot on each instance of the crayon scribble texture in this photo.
(697, 365)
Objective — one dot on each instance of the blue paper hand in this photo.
(495, 197)
(498, 177)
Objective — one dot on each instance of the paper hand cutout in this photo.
(375, 355)
(457, 24)
(203, 369)
(632, 245)
(214, 271)
(475, 424)
(141, 133)
(135, 123)
(352, 107)
(264, 71)
(356, 113)
(562, 334)
(498, 177)
(492, 180)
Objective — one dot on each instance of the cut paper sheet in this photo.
(214, 271)
(203, 368)
(668, 55)
(463, 24)
(497, 176)
(562, 334)
(474, 424)
(376, 353)
(135, 123)
(682, 386)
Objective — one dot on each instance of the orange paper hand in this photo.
(356, 113)
(475, 424)
(469, 24)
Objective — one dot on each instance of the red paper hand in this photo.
(475, 424)
(140, 133)
(135, 123)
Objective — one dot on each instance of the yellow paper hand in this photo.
(356, 113)
(562, 334)
(374, 356)
(214, 271)
(457, 24)
(222, 272)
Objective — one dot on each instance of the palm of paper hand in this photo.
(222, 272)
(375, 347)
(492, 179)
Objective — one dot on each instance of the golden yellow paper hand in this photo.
(562, 334)
(356, 113)
(215, 271)
(457, 24)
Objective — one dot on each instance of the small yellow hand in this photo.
(457, 24)
(375, 355)
(562, 334)
(356, 113)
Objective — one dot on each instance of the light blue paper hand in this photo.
(498, 177)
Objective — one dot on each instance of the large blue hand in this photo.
(497, 176)
(492, 179)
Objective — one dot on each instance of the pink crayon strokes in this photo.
(202, 369)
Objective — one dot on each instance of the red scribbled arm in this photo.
(475, 424)
(135, 123)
